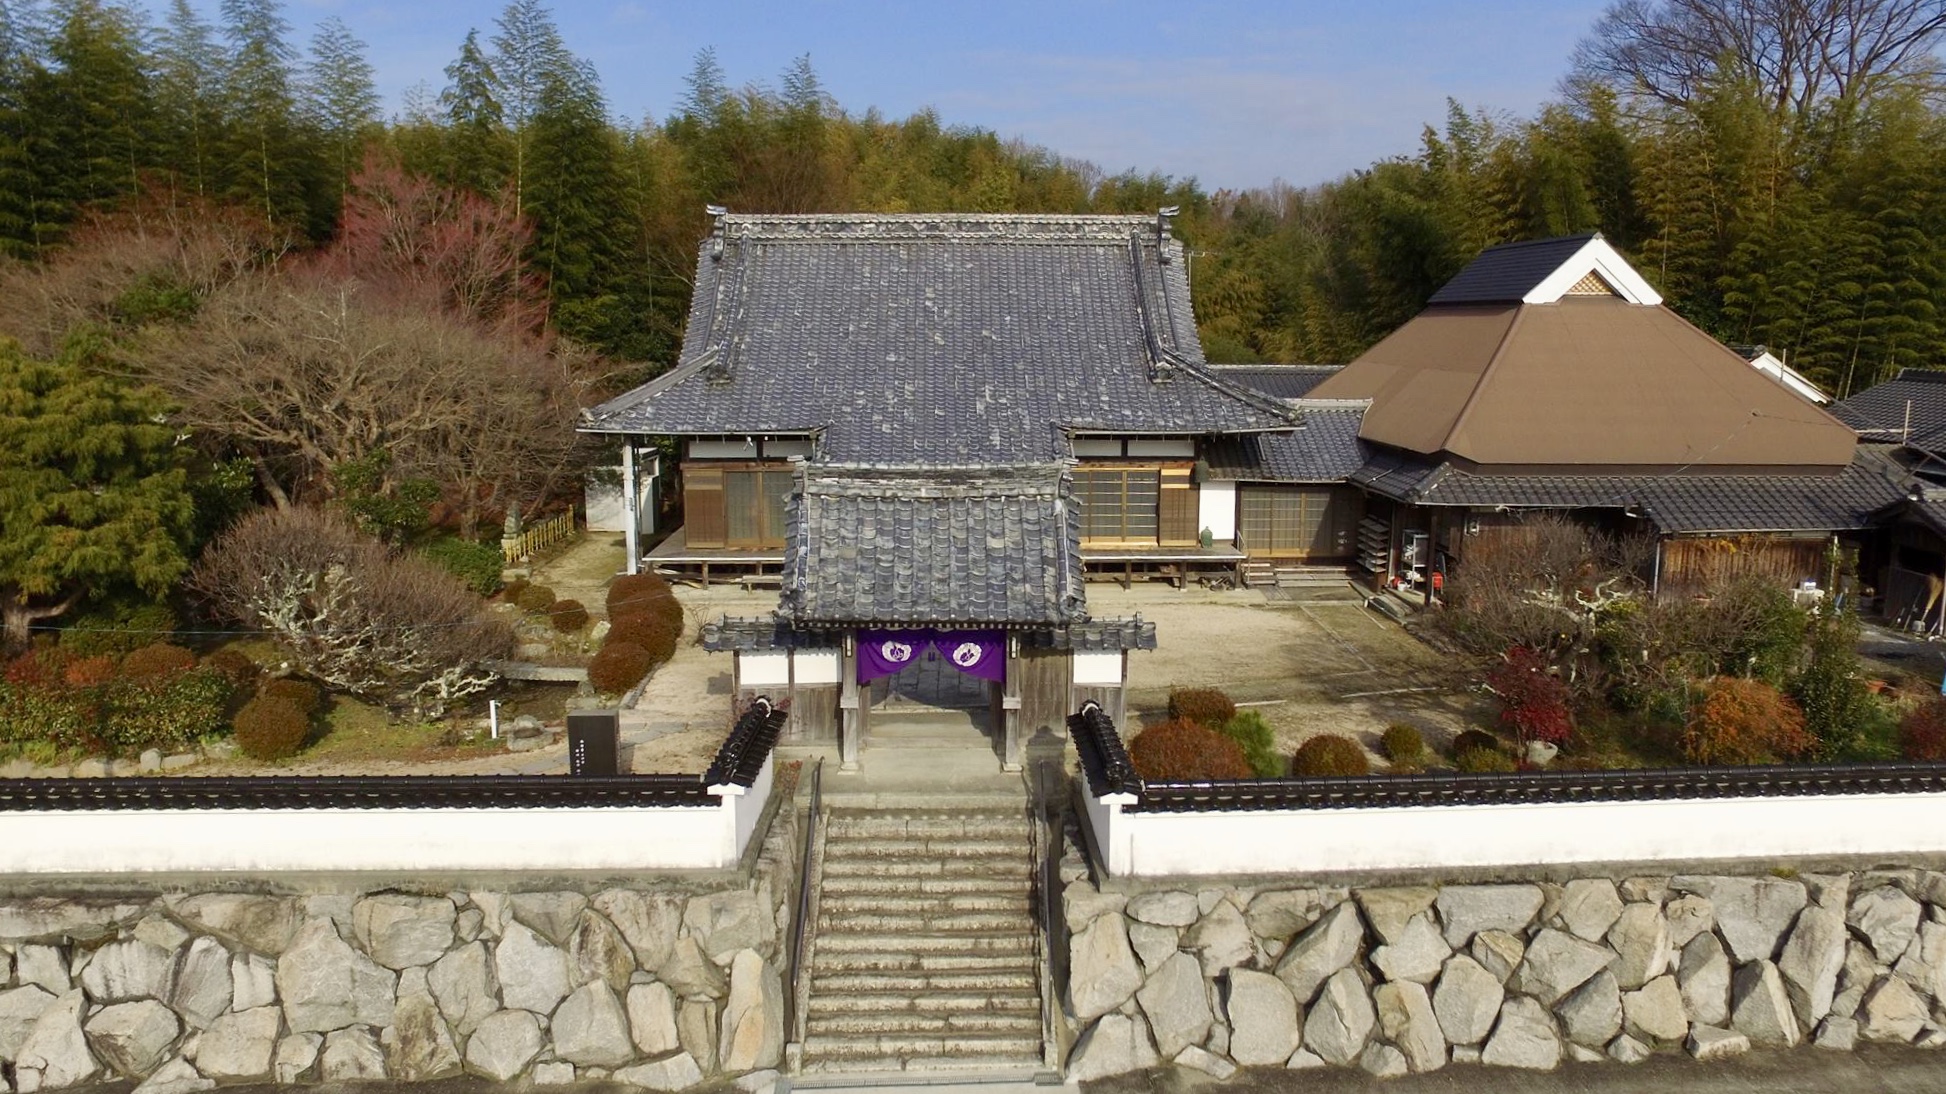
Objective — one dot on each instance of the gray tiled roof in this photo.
(1879, 413)
(1507, 273)
(1677, 503)
(758, 634)
(1096, 635)
(1327, 449)
(942, 340)
(1278, 381)
(989, 546)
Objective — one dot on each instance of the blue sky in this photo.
(1236, 94)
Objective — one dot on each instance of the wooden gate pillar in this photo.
(1012, 746)
(851, 715)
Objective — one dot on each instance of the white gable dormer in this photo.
(1595, 264)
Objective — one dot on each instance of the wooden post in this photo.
(631, 501)
(850, 715)
(1012, 747)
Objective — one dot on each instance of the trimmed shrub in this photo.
(302, 694)
(1534, 701)
(271, 727)
(633, 593)
(567, 616)
(1204, 706)
(1483, 761)
(118, 629)
(618, 667)
(1252, 734)
(157, 660)
(1474, 740)
(510, 592)
(535, 598)
(1330, 754)
(87, 672)
(1180, 749)
(658, 634)
(235, 666)
(165, 712)
(1743, 721)
(1402, 744)
(477, 565)
(1922, 732)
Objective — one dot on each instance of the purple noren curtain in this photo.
(976, 653)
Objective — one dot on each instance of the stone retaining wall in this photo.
(658, 985)
(1403, 979)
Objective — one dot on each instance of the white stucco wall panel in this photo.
(1216, 509)
(817, 666)
(1098, 668)
(763, 669)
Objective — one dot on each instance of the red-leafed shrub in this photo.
(618, 667)
(157, 660)
(234, 666)
(1742, 721)
(270, 727)
(632, 594)
(1922, 733)
(657, 633)
(1204, 706)
(39, 668)
(1534, 702)
(1329, 754)
(535, 598)
(87, 672)
(1182, 749)
(567, 616)
(302, 694)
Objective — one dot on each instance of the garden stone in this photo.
(351, 1056)
(132, 1038)
(691, 974)
(553, 1073)
(1751, 913)
(1341, 1020)
(1391, 911)
(496, 910)
(1711, 1043)
(297, 1054)
(239, 1046)
(1264, 1019)
(1279, 914)
(1466, 1001)
(204, 987)
(1416, 953)
(503, 1045)
(1467, 910)
(52, 919)
(1854, 979)
(1893, 1012)
(177, 1076)
(1383, 1061)
(161, 932)
(1760, 1008)
(1405, 1016)
(1152, 944)
(1200, 1059)
(253, 982)
(264, 924)
(1524, 1037)
(1115, 1045)
(1688, 916)
(1704, 975)
(1165, 909)
(599, 952)
(678, 1072)
(1498, 952)
(533, 975)
(468, 924)
(554, 915)
(1176, 1002)
(327, 985)
(1813, 956)
(1628, 1050)
(42, 965)
(1887, 920)
(418, 1046)
(1831, 891)
(121, 971)
(400, 931)
(1325, 947)
(1924, 963)
(149, 762)
(462, 984)
(19, 1008)
(1220, 940)
(1640, 889)
(753, 1017)
(1083, 904)
(1556, 964)
(591, 1029)
(1640, 939)
(728, 921)
(1592, 1013)
(1589, 906)
(1836, 1033)
(1102, 970)
(1655, 1011)
(696, 1031)
(652, 1019)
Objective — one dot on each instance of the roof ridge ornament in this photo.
(718, 230)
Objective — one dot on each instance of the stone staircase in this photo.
(925, 954)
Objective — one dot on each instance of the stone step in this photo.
(979, 1022)
(990, 826)
(847, 961)
(1012, 899)
(925, 847)
(872, 942)
(1001, 872)
(925, 923)
(845, 984)
(930, 1001)
(901, 1052)
(849, 885)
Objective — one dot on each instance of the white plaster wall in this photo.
(602, 502)
(763, 669)
(1428, 837)
(1216, 509)
(1098, 668)
(746, 807)
(163, 841)
(817, 666)
(1168, 447)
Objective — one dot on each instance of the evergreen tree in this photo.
(266, 161)
(339, 95)
(189, 89)
(575, 196)
(529, 60)
(476, 123)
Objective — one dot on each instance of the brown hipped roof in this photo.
(1586, 380)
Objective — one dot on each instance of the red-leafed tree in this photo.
(1534, 701)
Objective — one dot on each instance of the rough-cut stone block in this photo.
(1688, 916)
(691, 974)
(1417, 953)
(55, 1052)
(1278, 915)
(1264, 1019)
(1592, 1013)
(122, 971)
(1760, 1008)
(1640, 939)
(418, 1045)
(240, 1046)
(532, 974)
(1175, 999)
(1114, 1045)
(504, 1045)
(1325, 947)
(400, 931)
(1628, 1050)
(1752, 914)
(1557, 963)
(462, 984)
(133, 1038)
(1887, 919)
(652, 1019)
(728, 921)
(1389, 911)
(1197, 1058)
(1383, 1061)
(752, 1034)
(1152, 944)
(297, 1056)
(1836, 1033)
(1220, 940)
(19, 1008)
(1170, 908)
(678, 1072)
(1498, 952)
(1704, 976)
(1467, 910)
(1341, 1019)
(649, 921)
(1711, 1043)
(1524, 1037)
(204, 987)
(553, 915)
(327, 985)
(599, 952)
(1589, 906)
(351, 1055)
(1103, 973)
(1655, 1011)
(1466, 1001)
(1813, 956)
(263, 924)
(1892, 1012)
(45, 966)
(1406, 1017)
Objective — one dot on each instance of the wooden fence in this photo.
(523, 545)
